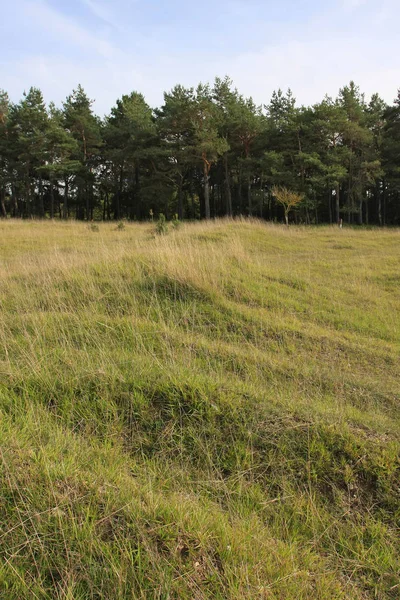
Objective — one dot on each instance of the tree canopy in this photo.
(206, 152)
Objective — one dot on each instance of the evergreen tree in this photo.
(29, 121)
(209, 145)
(206, 151)
(85, 128)
(175, 123)
(61, 147)
(391, 162)
(4, 150)
(129, 132)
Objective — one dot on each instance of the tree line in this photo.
(206, 152)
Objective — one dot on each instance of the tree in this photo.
(128, 133)
(287, 198)
(375, 115)
(356, 139)
(225, 99)
(206, 151)
(246, 122)
(4, 150)
(60, 146)
(28, 122)
(175, 124)
(209, 146)
(326, 139)
(85, 128)
(281, 137)
(391, 160)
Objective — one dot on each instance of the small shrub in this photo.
(121, 226)
(161, 225)
(176, 223)
(94, 227)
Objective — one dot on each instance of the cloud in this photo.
(379, 12)
(319, 56)
(43, 17)
(316, 67)
(56, 76)
(350, 5)
(101, 11)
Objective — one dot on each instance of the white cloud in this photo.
(313, 68)
(351, 5)
(314, 59)
(380, 12)
(43, 17)
(101, 11)
(56, 76)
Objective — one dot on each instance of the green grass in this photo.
(213, 413)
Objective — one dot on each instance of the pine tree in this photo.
(129, 132)
(61, 147)
(29, 123)
(391, 161)
(209, 145)
(85, 128)
(4, 150)
(175, 124)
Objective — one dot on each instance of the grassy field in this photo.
(210, 414)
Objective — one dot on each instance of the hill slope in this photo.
(208, 414)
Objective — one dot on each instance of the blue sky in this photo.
(115, 47)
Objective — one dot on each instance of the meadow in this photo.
(208, 414)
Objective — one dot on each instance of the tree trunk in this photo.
(379, 206)
(65, 206)
(228, 187)
(180, 199)
(240, 191)
(51, 199)
(206, 191)
(220, 209)
(249, 198)
(192, 201)
(41, 203)
(30, 202)
(137, 191)
(384, 202)
(108, 211)
(2, 203)
(193, 205)
(360, 212)
(87, 203)
(337, 198)
(330, 206)
(14, 201)
(117, 198)
(103, 199)
(287, 219)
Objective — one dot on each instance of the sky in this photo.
(114, 47)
